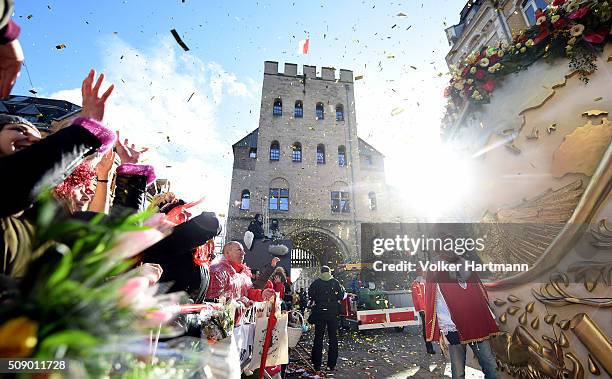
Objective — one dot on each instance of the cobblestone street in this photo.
(379, 354)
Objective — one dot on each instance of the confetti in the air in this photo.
(60, 46)
(397, 110)
(179, 40)
(33, 92)
(29, 17)
(401, 14)
(358, 77)
(190, 96)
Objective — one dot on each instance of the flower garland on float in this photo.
(576, 29)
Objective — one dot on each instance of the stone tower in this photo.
(305, 169)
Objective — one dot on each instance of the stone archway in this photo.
(314, 247)
(323, 244)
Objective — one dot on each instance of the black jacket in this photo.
(175, 255)
(326, 295)
(25, 175)
(256, 228)
(47, 163)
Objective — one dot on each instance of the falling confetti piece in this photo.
(358, 77)
(48, 6)
(190, 96)
(60, 46)
(412, 67)
(168, 138)
(390, 56)
(29, 17)
(598, 98)
(397, 110)
(33, 92)
(394, 25)
(179, 40)
(401, 14)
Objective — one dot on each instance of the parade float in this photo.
(533, 117)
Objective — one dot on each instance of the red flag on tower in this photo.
(303, 46)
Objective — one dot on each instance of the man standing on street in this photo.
(325, 292)
(418, 300)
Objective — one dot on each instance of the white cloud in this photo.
(150, 107)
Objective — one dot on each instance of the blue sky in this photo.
(229, 41)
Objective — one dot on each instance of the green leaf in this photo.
(63, 269)
(76, 339)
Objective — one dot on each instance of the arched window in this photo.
(277, 109)
(341, 156)
(339, 112)
(245, 200)
(298, 112)
(274, 151)
(321, 153)
(372, 200)
(320, 111)
(296, 152)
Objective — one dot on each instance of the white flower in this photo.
(576, 30)
(571, 41)
(555, 18)
(529, 43)
(541, 20)
(484, 62)
(523, 49)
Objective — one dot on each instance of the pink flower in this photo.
(130, 244)
(581, 12)
(479, 74)
(132, 290)
(489, 85)
(157, 317)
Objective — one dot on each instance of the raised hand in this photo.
(93, 103)
(105, 165)
(128, 153)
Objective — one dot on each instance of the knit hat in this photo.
(6, 119)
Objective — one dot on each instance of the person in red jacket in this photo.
(457, 311)
(418, 299)
(230, 277)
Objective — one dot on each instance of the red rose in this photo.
(489, 85)
(597, 37)
(560, 24)
(541, 37)
(558, 3)
(466, 69)
(479, 74)
(493, 59)
(578, 13)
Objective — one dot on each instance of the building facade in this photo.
(305, 169)
(487, 22)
